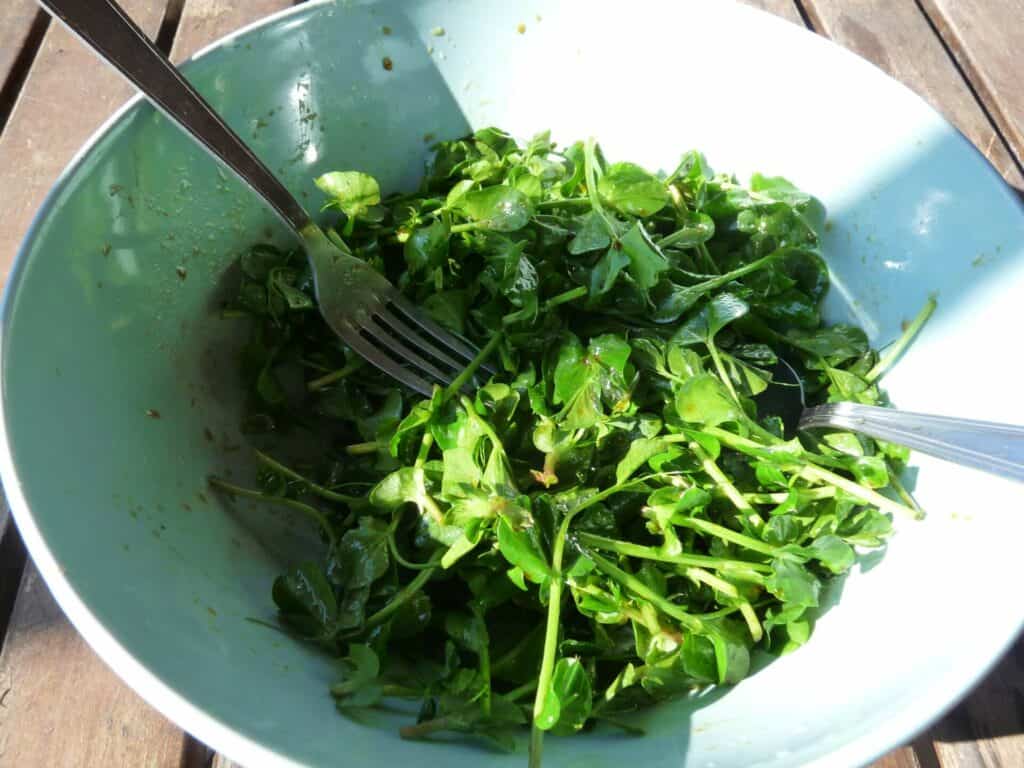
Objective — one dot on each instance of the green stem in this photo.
(813, 472)
(901, 490)
(563, 201)
(728, 534)
(652, 553)
(706, 577)
(811, 494)
(427, 727)
(403, 595)
(311, 512)
(709, 263)
(731, 491)
(328, 379)
(471, 369)
(867, 495)
(362, 449)
(469, 226)
(522, 690)
(563, 298)
(637, 587)
(400, 559)
(334, 238)
(672, 238)
(426, 443)
(750, 447)
(717, 360)
(547, 664)
(314, 488)
(728, 277)
(484, 654)
(893, 353)
(346, 687)
(590, 174)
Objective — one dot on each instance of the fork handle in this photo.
(984, 445)
(106, 28)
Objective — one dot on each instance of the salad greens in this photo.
(614, 518)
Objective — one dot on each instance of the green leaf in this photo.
(467, 630)
(592, 235)
(569, 699)
(692, 229)
(611, 350)
(778, 188)
(833, 553)
(571, 373)
(640, 451)
(499, 208)
(361, 687)
(835, 344)
(703, 399)
(521, 552)
(630, 189)
(793, 584)
(293, 297)
(699, 658)
(458, 191)
(427, 247)
(350, 191)
(258, 261)
(305, 599)
(462, 546)
(606, 272)
(363, 553)
(780, 530)
(405, 485)
(703, 326)
(732, 658)
(646, 262)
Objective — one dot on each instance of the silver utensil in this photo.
(985, 445)
(358, 303)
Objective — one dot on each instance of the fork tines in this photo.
(399, 339)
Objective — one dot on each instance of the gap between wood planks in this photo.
(22, 26)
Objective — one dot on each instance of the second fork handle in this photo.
(106, 28)
(988, 446)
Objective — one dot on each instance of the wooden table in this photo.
(59, 704)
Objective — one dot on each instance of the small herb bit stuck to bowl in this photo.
(606, 523)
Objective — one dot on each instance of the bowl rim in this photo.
(930, 705)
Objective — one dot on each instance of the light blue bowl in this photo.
(99, 328)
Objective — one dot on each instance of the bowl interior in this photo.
(111, 318)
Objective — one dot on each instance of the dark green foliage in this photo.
(608, 522)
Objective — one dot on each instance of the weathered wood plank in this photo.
(66, 87)
(903, 757)
(896, 36)
(987, 729)
(62, 707)
(987, 41)
(203, 21)
(785, 8)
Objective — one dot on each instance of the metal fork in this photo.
(358, 303)
(985, 445)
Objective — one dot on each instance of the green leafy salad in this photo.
(610, 520)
